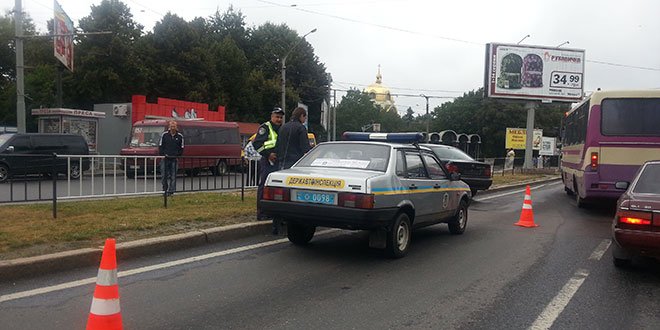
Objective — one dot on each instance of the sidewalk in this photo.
(27, 267)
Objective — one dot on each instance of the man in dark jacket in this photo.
(170, 146)
(264, 142)
(292, 140)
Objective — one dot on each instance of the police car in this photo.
(384, 183)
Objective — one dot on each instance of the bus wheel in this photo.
(568, 191)
(579, 201)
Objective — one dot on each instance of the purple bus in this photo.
(605, 139)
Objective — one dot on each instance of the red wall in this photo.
(164, 109)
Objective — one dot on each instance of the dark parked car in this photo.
(31, 153)
(475, 173)
(636, 226)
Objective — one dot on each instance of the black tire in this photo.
(130, 174)
(579, 201)
(221, 168)
(621, 263)
(398, 237)
(458, 224)
(299, 234)
(192, 172)
(474, 192)
(620, 258)
(568, 191)
(4, 173)
(75, 172)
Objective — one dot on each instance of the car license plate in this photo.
(315, 197)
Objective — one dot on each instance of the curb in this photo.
(28, 267)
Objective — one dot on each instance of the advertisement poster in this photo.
(516, 138)
(63, 37)
(534, 73)
(548, 146)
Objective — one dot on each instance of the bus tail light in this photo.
(360, 201)
(277, 194)
(634, 217)
(452, 168)
(594, 161)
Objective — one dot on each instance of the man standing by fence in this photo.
(264, 142)
(170, 146)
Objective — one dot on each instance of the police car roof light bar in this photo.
(385, 137)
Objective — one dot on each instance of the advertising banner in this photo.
(548, 146)
(534, 73)
(516, 138)
(63, 37)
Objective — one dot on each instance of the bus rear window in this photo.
(630, 117)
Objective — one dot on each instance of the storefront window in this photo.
(84, 127)
(49, 125)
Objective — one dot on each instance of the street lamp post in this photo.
(427, 116)
(284, 70)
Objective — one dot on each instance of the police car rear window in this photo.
(348, 155)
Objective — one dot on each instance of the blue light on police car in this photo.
(386, 137)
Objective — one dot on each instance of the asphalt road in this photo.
(495, 276)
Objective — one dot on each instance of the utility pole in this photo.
(428, 119)
(334, 116)
(530, 105)
(20, 90)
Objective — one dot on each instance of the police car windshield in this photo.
(348, 155)
(146, 136)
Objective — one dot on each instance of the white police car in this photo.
(384, 183)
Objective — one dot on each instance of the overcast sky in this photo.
(434, 47)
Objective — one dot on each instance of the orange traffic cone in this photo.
(105, 313)
(527, 216)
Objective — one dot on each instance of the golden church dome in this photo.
(379, 93)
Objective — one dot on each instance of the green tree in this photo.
(489, 118)
(107, 67)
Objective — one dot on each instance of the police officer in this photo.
(264, 143)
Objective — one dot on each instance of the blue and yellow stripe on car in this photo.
(421, 189)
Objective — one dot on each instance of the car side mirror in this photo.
(10, 149)
(454, 176)
(623, 185)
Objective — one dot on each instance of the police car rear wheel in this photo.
(398, 239)
(300, 234)
(458, 224)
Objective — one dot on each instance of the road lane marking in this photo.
(145, 269)
(600, 250)
(510, 192)
(557, 305)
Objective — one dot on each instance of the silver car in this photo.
(377, 183)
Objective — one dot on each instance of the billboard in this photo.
(63, 40)
(548, 146)
(534, 73)
(516, 138)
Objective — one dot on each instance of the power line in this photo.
(405, 88)
(430, 35)
(372, 24)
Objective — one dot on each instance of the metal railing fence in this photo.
(31, 178)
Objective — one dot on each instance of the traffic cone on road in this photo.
(105, 313)
(527, 216)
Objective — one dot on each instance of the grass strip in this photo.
(31, 229)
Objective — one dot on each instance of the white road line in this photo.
(557, 305)
(509, 193)
(600, 250)
(136, 271)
